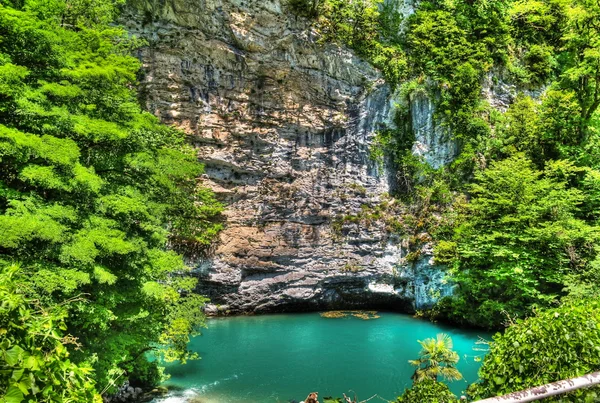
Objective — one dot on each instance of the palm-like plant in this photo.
(436, 358)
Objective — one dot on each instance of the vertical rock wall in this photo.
(284, 126)
(433, 141)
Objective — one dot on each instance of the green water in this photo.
(278, 358)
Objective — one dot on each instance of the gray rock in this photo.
(500, 92)
(433, 140)
(284, 126)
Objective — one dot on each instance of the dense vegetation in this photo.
(428, 391)
(557, 344)
(94, 196)
(515, 217)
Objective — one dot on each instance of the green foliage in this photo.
(436, 359)
(580, 74)
(561, 40)
(519, 131)
(445, 252)
(452, 44)
(392, 145)
(34, 356)
(553, 345)
(519, 238)
(540, 62)
(428, 391)
(543, 131)
(438, 46)
(93, 190)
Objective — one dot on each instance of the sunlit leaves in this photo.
(519, 239)
(429, 391)
(92, 190)
(548, 347)
(437, 359)
(34, 360)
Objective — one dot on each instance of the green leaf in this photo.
(14, 395)
(13, 355)
(17, 374)
(30, 363)
(24, 386)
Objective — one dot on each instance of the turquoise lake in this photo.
(282, 358)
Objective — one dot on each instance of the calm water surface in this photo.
(278, 358)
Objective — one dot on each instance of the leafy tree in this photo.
(553, 345)
(537, 22)
(520, 236)
(543, 131)
(562, 39)
(94, 191)
(581, 72)
(437, 45)
(519, 131)
(436, 359)
(560, 125)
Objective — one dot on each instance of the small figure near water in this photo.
(312, 398)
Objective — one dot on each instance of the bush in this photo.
(554, 345)
(540, 62)
(33, 348)
(428, 391)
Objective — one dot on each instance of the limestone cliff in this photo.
(284, 126)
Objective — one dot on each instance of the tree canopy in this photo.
(520, 237)
(95, 194)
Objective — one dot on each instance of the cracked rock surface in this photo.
(284, 126)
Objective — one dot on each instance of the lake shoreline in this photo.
(383, 345)
(420, 315)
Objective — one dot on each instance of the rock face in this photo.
(433, 140)
(500, 92)
(284, 127)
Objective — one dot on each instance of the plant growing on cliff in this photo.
(307, 8)
(92, 191)
(366, 26)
